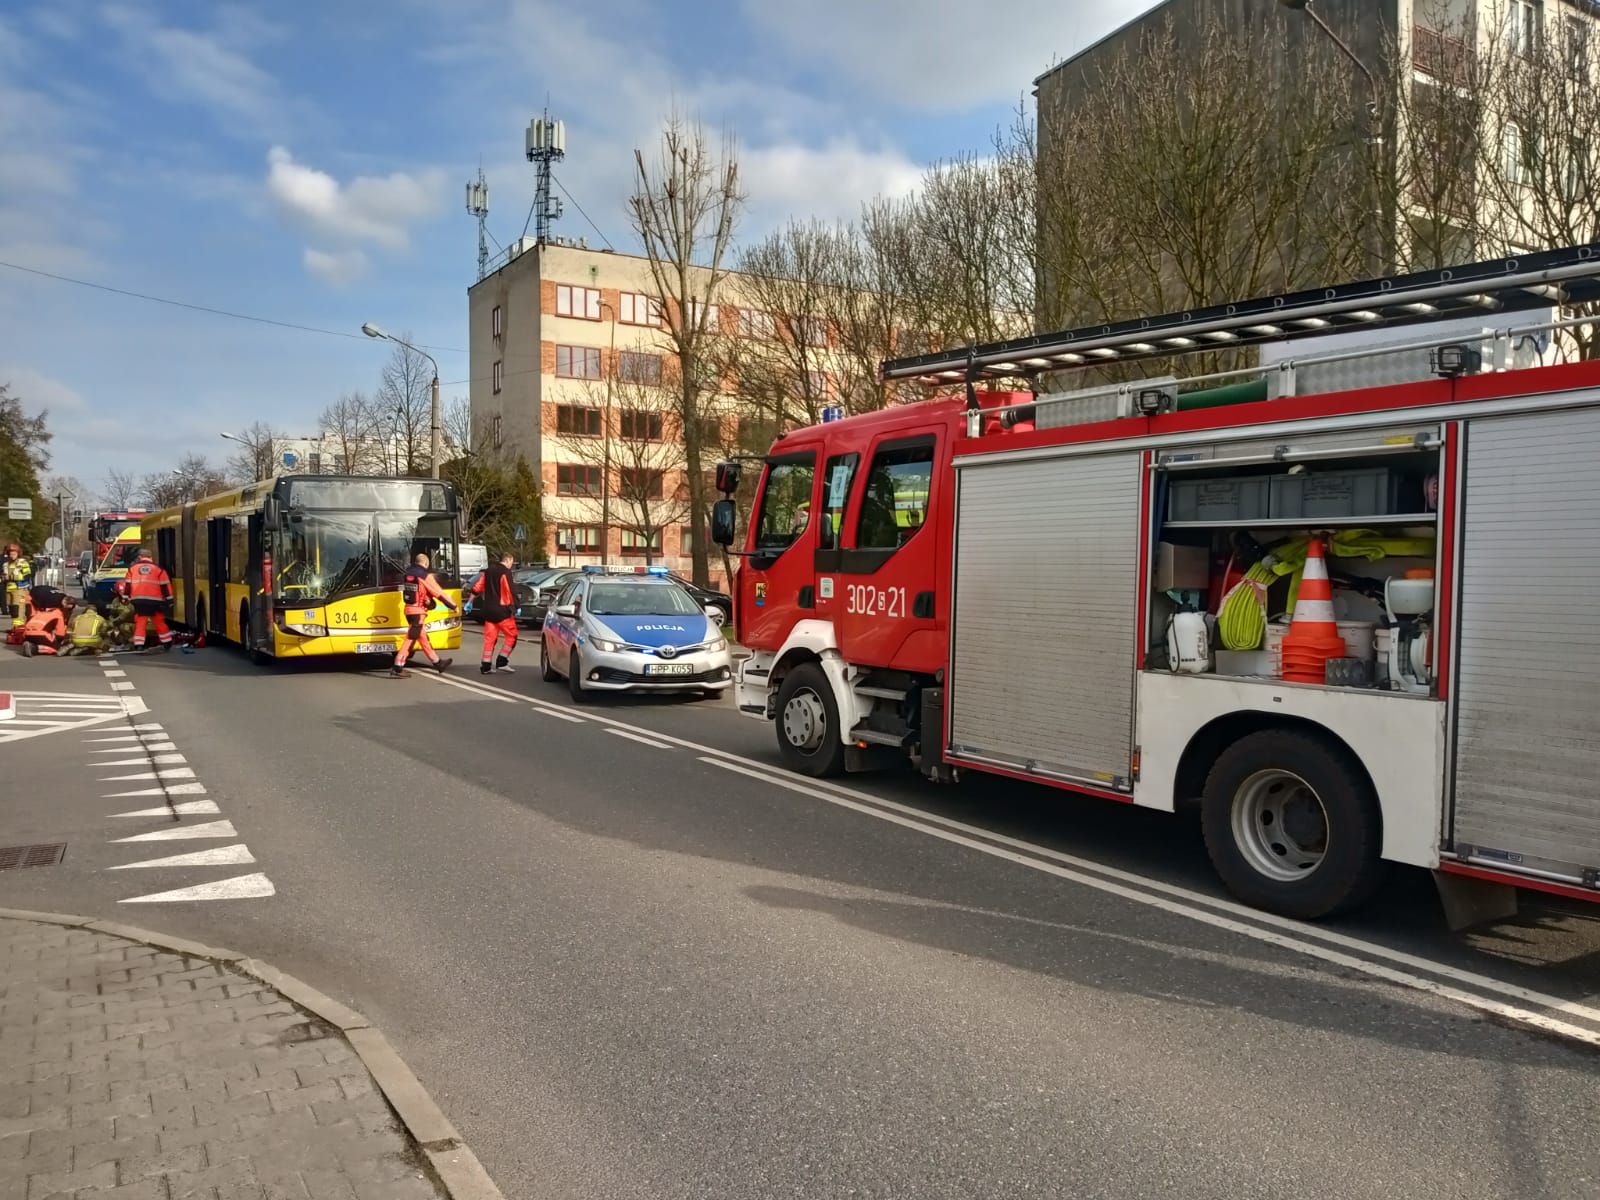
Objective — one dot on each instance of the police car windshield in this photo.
(640, 600)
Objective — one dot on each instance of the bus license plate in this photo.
(374, 648)
(668, 669)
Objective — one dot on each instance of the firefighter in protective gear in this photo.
(18, 576)
(499, 615)
(148, 588)
(88, 631)
(420, 591)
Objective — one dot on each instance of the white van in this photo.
(474, 559)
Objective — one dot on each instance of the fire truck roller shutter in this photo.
(1527, 731)
(1044, 615)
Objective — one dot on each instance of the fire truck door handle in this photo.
(922, 606)
(807, 597)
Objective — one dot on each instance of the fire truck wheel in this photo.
(1291, 825)
(808, 723)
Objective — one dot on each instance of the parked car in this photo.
(524, 589)
(613, 632)
(708, 598)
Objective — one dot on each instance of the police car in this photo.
(632, 632)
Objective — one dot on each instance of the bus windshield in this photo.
(402, 536)
(323, 555)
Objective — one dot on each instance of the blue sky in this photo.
(306, 163)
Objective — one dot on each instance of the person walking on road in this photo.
(19, 577)
(499, 614)
(149, 589)
(420, 591)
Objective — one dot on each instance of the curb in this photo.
(455, 1167)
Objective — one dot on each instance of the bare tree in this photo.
(192, 479)
(685, 207)
(356, 434)
(121, 490)
(405, 391)
(257, 455)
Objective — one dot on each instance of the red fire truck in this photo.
(104, 527)
(986, 583)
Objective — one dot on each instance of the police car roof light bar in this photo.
(1568, 276)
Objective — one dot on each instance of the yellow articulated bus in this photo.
(309, 565)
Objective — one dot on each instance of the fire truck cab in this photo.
(990, 583)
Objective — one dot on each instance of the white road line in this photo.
(130, 737)
(133, 706)
(148, 746)
(493, 693)
(108, 662)
(116, 674)
(1523, 1016)
(634, 737)
(217, 856)
(1293, 930)
(163, 773)
(122, 687)
(240, 887)
(189, 808)
(172, 789)
(141, 762)
(178, 833)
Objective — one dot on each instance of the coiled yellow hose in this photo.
(1242, 616)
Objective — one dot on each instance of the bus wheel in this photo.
(257, 657)
(808, 723)
(1291, 825)
(200, 625)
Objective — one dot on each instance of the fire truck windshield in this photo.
(785, 504)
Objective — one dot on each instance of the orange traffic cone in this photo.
(1313, 637)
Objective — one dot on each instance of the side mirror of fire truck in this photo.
(728, 478)
(724, 521)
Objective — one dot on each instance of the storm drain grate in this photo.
(31, 856)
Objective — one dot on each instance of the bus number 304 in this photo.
(874, 601)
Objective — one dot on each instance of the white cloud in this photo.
(339, 269)
(939, 55)
(38, 391)
(829, 182)
(377, 209)
(191, 66)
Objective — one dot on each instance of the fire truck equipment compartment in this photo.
(1527, 744)
(1327, 494)
(1049, 561)
(1239, 498)
(1182, 568)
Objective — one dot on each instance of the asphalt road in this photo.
(632, 958)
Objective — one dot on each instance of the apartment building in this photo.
(571, 369)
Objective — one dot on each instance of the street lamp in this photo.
(1374, 107)
(372, 331)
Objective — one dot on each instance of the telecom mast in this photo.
(478, 206)
(547, 145)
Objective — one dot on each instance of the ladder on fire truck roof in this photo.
(1568, 276)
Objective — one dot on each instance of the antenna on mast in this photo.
(547, 145)
(478, 206)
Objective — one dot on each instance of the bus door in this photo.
(219, 556)
(259, 633)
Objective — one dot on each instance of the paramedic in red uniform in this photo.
(419, 589)
(148, 588)
(499, 614)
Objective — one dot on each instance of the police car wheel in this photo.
(808, 723)
(575, 679)
(547, 672)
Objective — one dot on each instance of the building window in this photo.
(710, 430)
(685, 540)
(634, 542)
(499, 438)
(1578, 47)
(575, 479)
(817, 384)
(641, 425)
(578, 539)
(636, 367)
(713, 316)
(580, 302)
(578, 420)
(1511, 152)
(639, 309)
(499, 375)
(577, 362)
(496, 322)
(753, 323)
(643, 483)
(808, 331)
(1522, 26)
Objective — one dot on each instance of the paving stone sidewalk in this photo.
(131, 1073)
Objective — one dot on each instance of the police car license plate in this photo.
(668, 669)
(374, 648)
